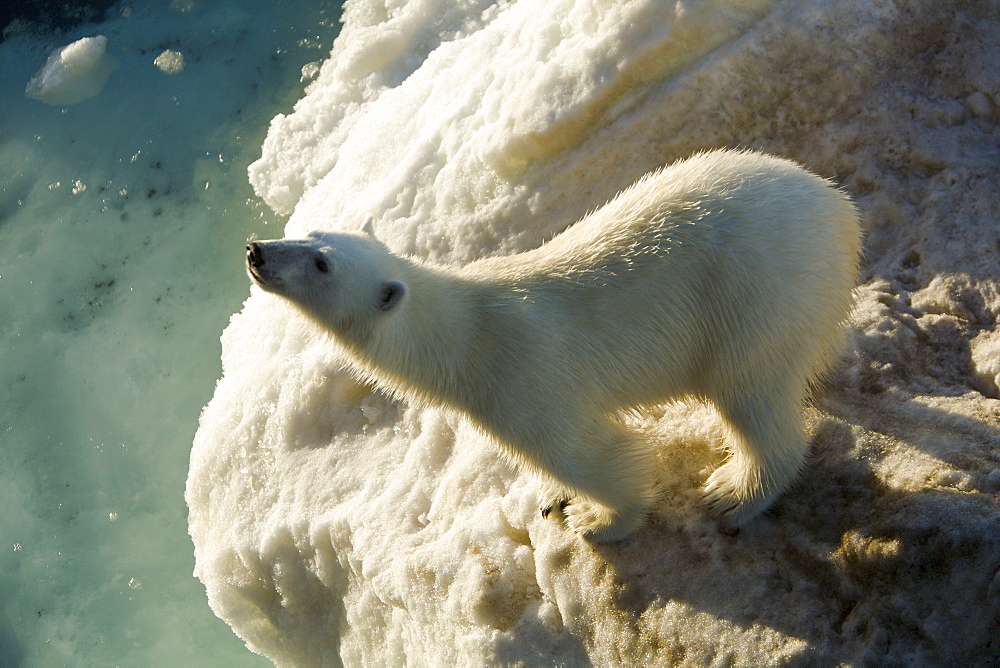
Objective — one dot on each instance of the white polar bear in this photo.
(726, 277)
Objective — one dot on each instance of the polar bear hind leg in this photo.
(767, 447)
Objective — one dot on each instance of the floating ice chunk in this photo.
(73, 73)
(170, 62)
(184, 6)
(310, 71)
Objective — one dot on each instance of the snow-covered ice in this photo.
(332, 524)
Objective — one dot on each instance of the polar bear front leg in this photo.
(609, 474)
(601, 523)
(552, 497)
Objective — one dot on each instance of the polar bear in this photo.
(727, 277)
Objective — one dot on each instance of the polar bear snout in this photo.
(268, 277)
(254, 257)
(288, 267)
(255, 260)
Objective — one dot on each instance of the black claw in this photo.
(560, 504)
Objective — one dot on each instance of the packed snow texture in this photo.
(73, 73)
(334, 524)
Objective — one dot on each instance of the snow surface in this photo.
(332, 524)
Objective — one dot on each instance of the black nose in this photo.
(254, 258)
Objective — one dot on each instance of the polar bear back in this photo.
(725, 270)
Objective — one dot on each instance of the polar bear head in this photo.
(347, 282)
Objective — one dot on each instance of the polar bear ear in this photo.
(392, 295)
(368, 227)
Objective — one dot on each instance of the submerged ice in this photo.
(73, 73)
(334, 524)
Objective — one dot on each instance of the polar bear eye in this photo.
(322, 265)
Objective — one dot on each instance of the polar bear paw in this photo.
(597, 522)
(736, 495)
(593, 520)
(552, 498)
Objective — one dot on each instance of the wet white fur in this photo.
(726, 277)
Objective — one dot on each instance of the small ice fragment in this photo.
(183, 6)
(310, 71)
(73, 73)
(170, 62)
(952, 478)
(134, 583)
(79, 187)
(370, 411)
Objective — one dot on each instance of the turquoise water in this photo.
(122, 224)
